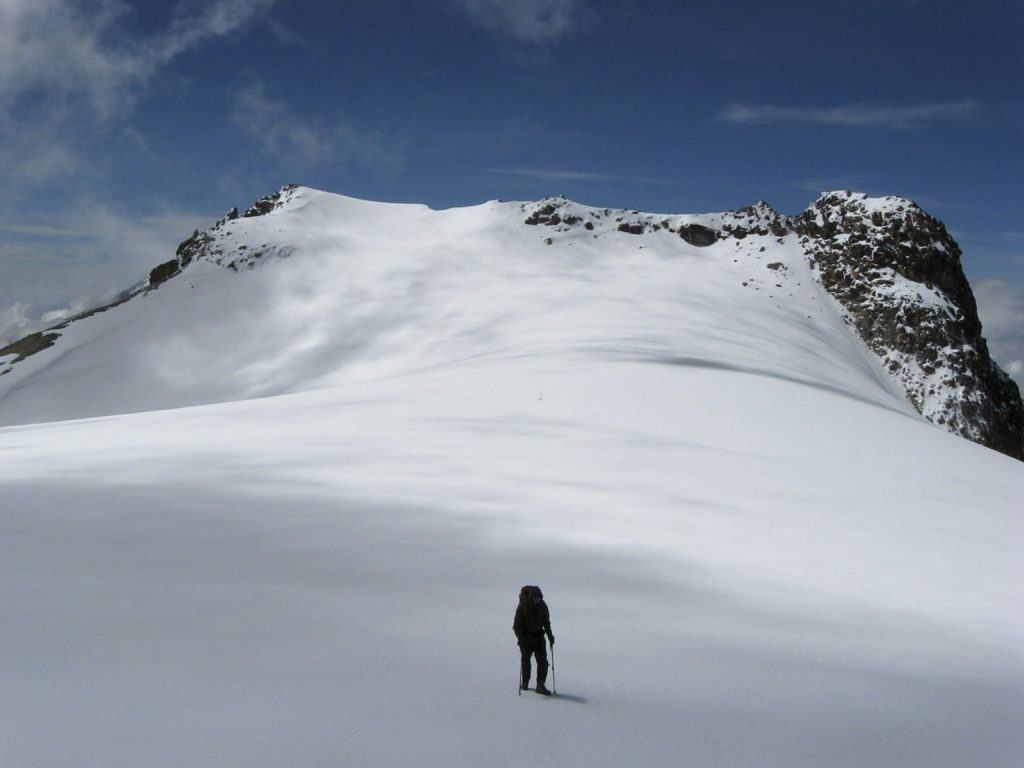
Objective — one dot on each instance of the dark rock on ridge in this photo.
(698, 235)
(29, 345)
(547, 214)
(266, 204)
(163, 272)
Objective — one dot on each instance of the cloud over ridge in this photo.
(528, 21)
(855, 115)
(1001, 308)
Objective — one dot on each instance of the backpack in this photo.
(530, 591)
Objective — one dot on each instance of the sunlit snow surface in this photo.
(754, 551)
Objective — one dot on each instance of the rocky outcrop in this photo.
(266, 204)
(207, 244)
(699, 235)
(896, 272)
(26, 347)
(700, 230)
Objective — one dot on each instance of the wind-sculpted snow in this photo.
(384, 420)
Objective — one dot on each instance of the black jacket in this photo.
(532, 618)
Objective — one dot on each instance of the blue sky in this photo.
(124, 125)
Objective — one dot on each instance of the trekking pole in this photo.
(519, 689)
(554, 685)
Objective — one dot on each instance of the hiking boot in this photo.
(542, 690)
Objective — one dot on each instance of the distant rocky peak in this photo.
(760, 213)
(896, 272)
(559, 212)
(842, 202)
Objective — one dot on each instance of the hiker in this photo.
(531, 624)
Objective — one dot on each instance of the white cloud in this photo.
(528, 21)
(217, 19)
(70, 69)
(543, 174)
(556, 175)
(61, 52)
(68, 52)
(297, 143)
(49, 230)
(14, 323)
(280, 133)
(1001, 309)
(19, 320)
(856, 115)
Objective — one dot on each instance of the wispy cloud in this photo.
(817, 186)
(536, 22)
(301, 143)
(1001, 309)
(217, 19)
(69, 53)
(279, 132)
(45, 230)
(854, 115)
(543, 174)
(62, 52)
(70, 69)
(547, 174)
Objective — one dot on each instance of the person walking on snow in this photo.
(532, 622)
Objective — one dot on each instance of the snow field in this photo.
(329, 578)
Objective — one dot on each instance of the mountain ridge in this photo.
(893, 272)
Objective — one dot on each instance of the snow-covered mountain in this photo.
(893, 272)
(274, 507)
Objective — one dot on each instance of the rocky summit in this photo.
(880, 270)
(896, 272)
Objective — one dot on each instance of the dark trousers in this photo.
(533, 644)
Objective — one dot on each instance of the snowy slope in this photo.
(756, 553)
(334, 291)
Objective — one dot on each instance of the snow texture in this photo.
(289, 516)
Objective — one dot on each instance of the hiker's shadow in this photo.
(570, 697)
